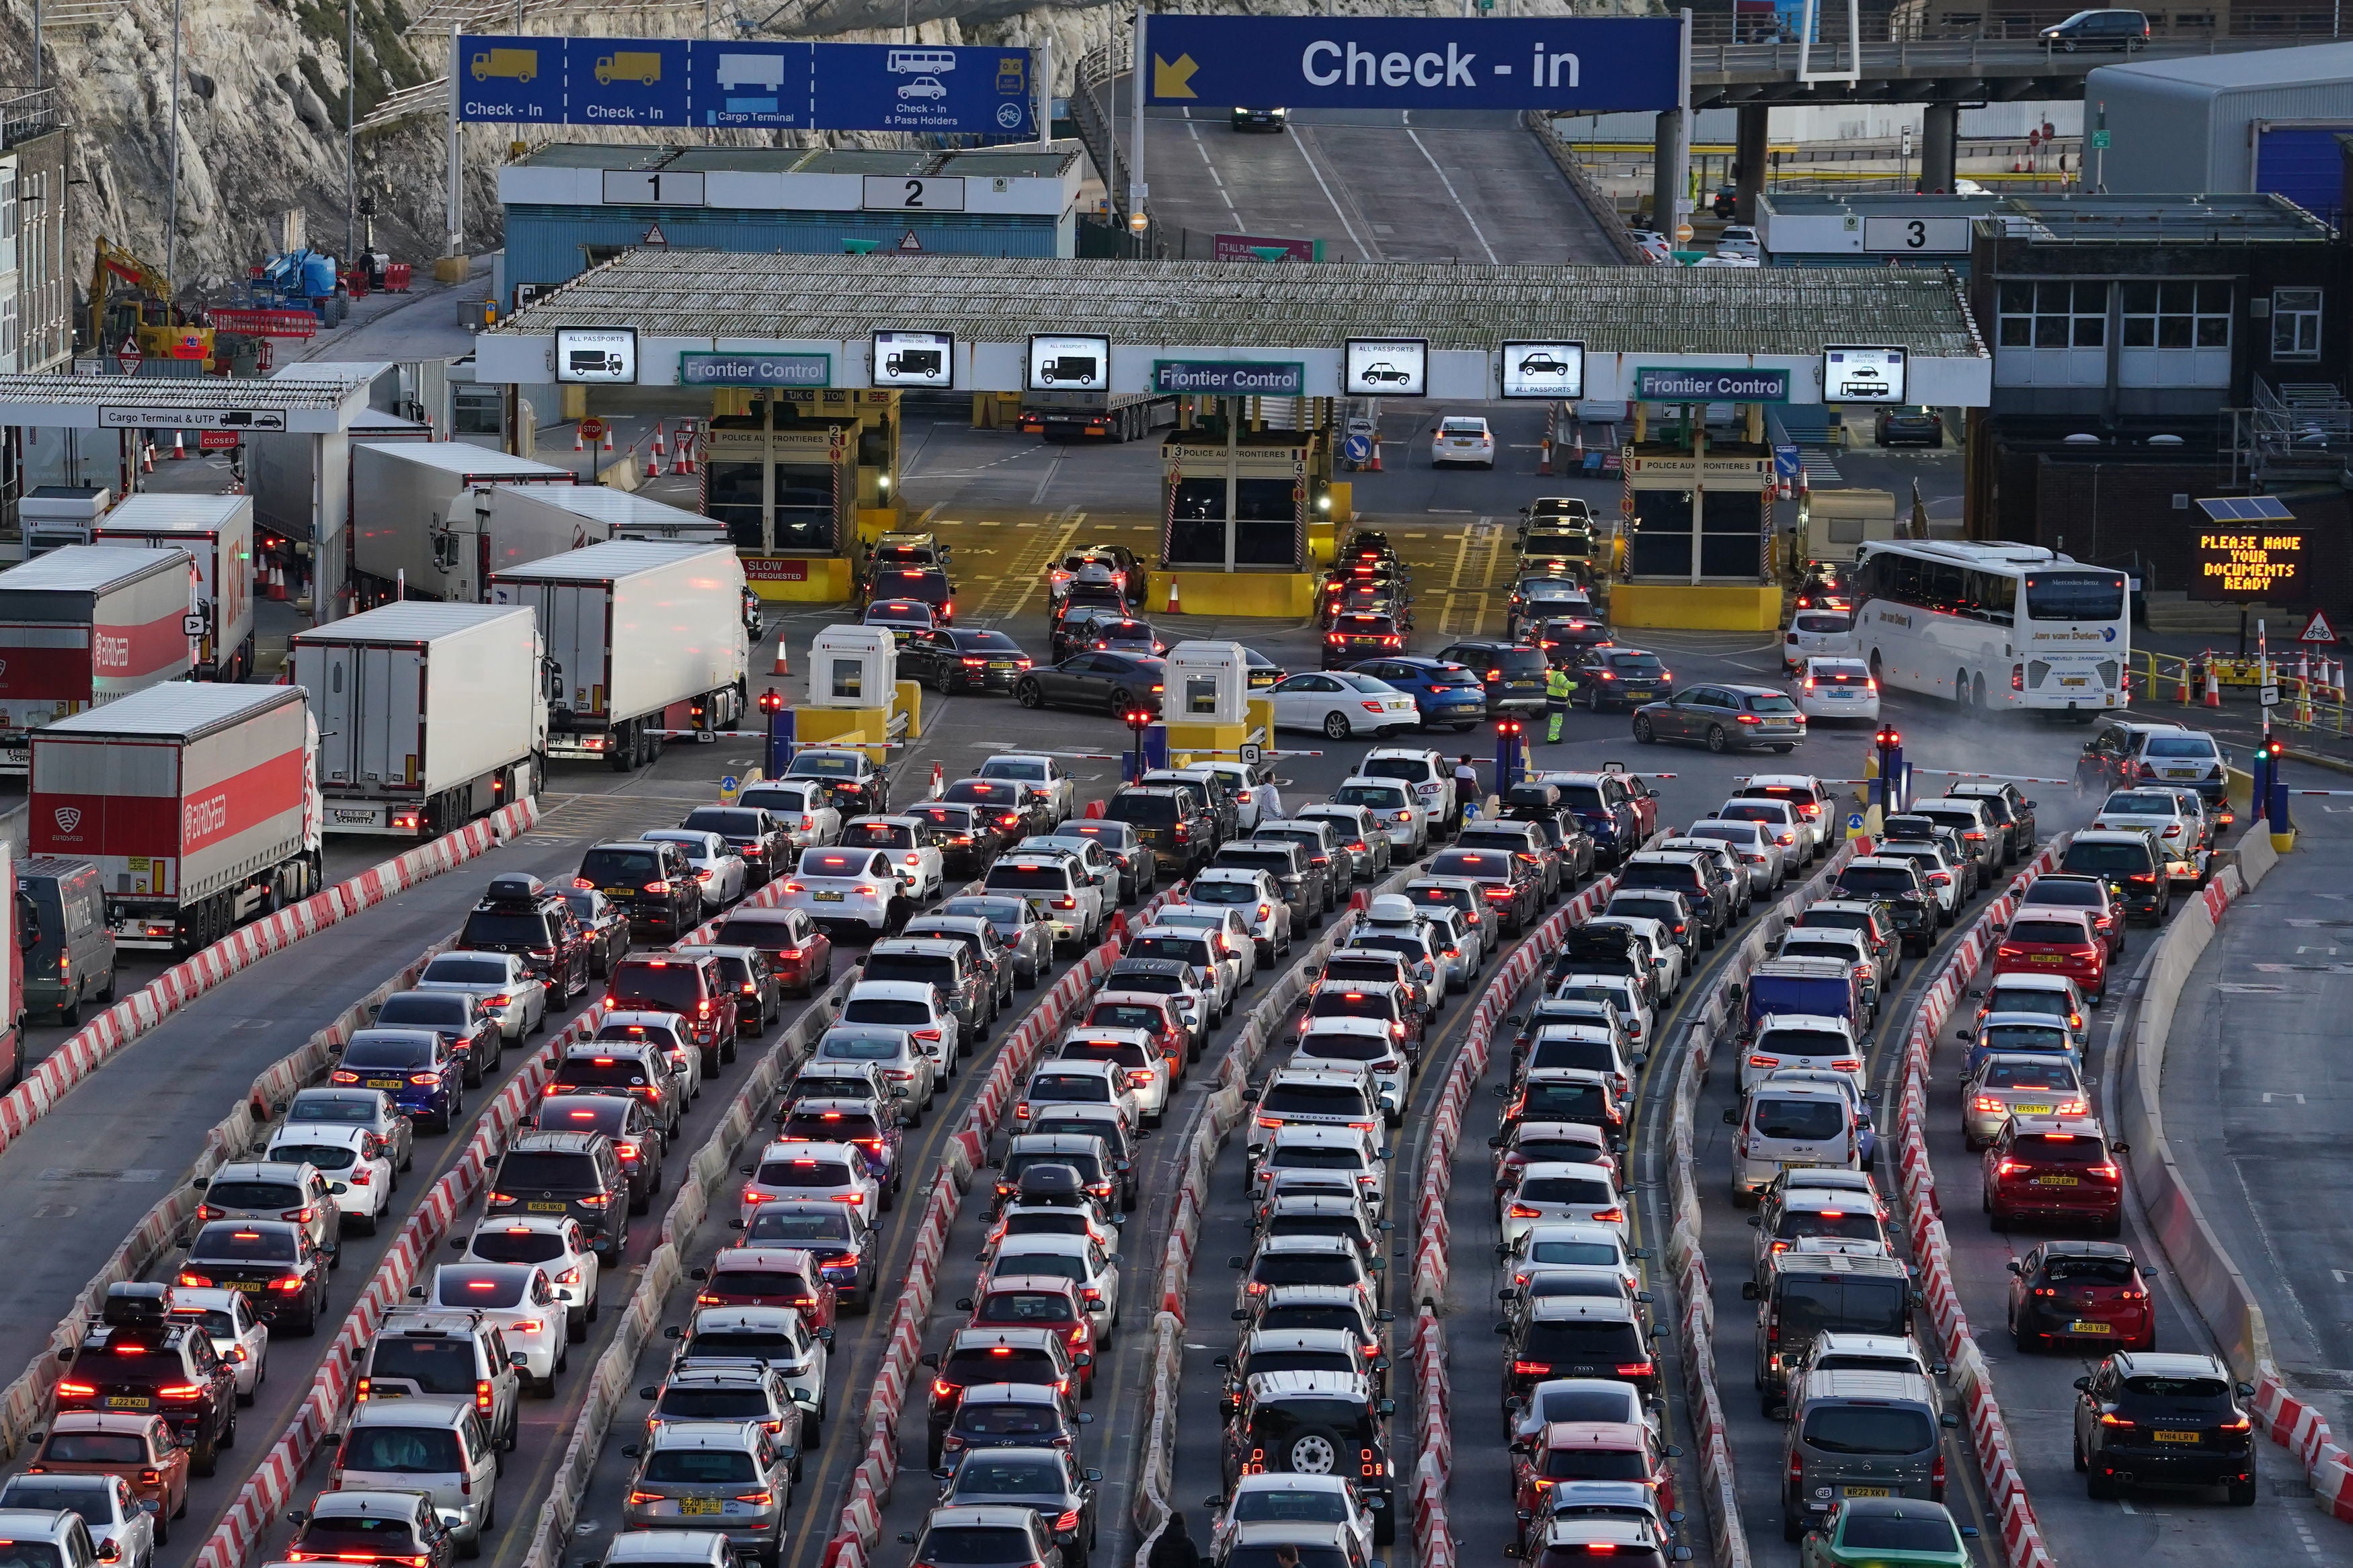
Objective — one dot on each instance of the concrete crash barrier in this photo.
(99, 1041)
(2023, 1544)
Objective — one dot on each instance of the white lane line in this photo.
(1364, 250)
(1475, 231)
(1202, 148)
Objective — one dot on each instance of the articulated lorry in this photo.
(85, 626)
(416, 524)
(217, 533)
(430, 715)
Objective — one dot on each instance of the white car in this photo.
(1666, 955)
(122, 1530)
(777, 1337)
(668, 1033)
(1042, 778)
(1251, 894)
(1078, 1259)
(1339, 703)
(1100, 864)
(351, 1157)
(1657, 246)
(2180, 831)
(1397, 811)
(1620, 991)
(1432, 775)
(843, 889)
(240, 1338)
(810, 817)
(911, 844)
(716, 865)
(1818, 806)
(555, 1244)
(1198, 951)
(1800, 1042)
(1365, 853)
(1294, 1498)
(1226, 924)
(1462, 438)
(505, 987)
(1816, 633)
(910, 1074)
(1256, 798)
(1838, 688)
(1936, 868)
(1781, 818)
(913, 1006)
(519, 1300)
(1558, 1189)
(1762, 860)
(1358, 1044)
(1148, 1081)
(1082, 1082)
(1740, 239)
(794, 1168)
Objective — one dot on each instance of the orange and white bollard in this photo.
(2213, 687)
(608, 435)
(2182, 690)
(660, 451)
(577, 444)
(146, 457)
(179, 447)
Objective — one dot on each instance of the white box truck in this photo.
(85, 626)
(403, 494)
(644, 641)
(430, 715)
(197, 801)
(217, 531)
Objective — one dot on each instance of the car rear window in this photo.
(1305, 1268)
(1799, 1121)
(2106, 857)
(657, 988)
(905, 1013)
(463, 971)
(1566, 1190)
(254, 1195)
(998, 1364)
(626, 869)
(369, 1538)
(548, 1170)
(1868, 1429)
(728, 821)
(691, 1403)
(600, 1072)
(1031, 878)
(436, 1365)
(491, 928)
(973, 1543)
(1584, 1341)
(401, 1450)
(2199, 746)
(2059, 1148)
(1877, 879)
(1804, 1043)
(690, 1467)
(804, 1171)
(1565, 1102)
(784, 1225)
(828, 1126)
(325, 1156)
(1894, 1532)
(1383, 798)
(2059, 931)
(1314, 1100)
(935, 969)
(502, 1243)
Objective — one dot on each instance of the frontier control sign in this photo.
(1393, 62)
(1230, 378)
(1657, 384)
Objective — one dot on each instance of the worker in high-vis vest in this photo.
(1557, 686)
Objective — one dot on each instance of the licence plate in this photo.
(2074, 680)
(1868, 1491)
(619, 892)
(16, 756)
(2163, 1437)
(1774, 724)
(2181, 773)
(542, 1207)
(1640, 694)
(2029, 1110)
(698, 1505)
(129, 1402)
(2086, 1326)
(1000, 664)
(2058, 1182)
(827, 895)
(350, 814)
(383, 1083)
(2049, 958)
(250, 1286)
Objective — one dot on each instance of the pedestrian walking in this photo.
(1175, 1549)
(1557, 686)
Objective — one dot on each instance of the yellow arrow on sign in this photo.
(1172, 80)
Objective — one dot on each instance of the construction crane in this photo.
(131, 302)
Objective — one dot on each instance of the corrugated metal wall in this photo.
(2303, 164)
(547, 244)
(2169, 135)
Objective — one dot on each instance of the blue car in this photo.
(420, 1068)
(1448, 696)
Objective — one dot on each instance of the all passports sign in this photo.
(1391, 62)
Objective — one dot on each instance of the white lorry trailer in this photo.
(217, 533)
(415, 524)
(84, 626)
(431, 715)
(644, 641)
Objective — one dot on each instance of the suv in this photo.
(1981, 838)
(1059, 891)
(1683, 871)
(519, 914)
(1897, 887)
(947, 966)
(276, 1189)
(753, 833)
(1616, 808)
(2132, 863)
(1172, 820)
(989, 1532)
(651, 882)
(1861, 1434)
(2057, 1168)
(135, 1351)
(690, 986)
(437, 1354)
(2143, 1416)
(1512, 673)
(1807, 1293)
(976, 1356)
(1315, 1423)
(1869, 918)
(2111, 758)
(574, 1174)
(2011, 811)
(629, 1062)
(365, 1525)
(680, 1462)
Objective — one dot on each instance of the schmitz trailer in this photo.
(217, 531)
(403, 495)
(86, 625)
(1121, 416)
(195, 800)
(430, 715)
(643, 641)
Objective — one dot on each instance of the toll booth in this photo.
(1240, 501)
(1699, 527)
(794, 475)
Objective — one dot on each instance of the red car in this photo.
(693, 988)
(768, 1277)
(2057, 891)
(2056, 942)
(2085, 1291)
(1587, 1451)
(2060, 1168)
(798, 949)
(1038, 1302)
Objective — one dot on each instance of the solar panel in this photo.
(2246, 509)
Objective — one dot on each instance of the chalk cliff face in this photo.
(262, 101)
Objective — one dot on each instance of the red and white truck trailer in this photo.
(217, 530)
(87, 626)
(197, 802)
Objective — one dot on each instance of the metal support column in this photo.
(1753, 144)
(1666, 173)
(1939, 138)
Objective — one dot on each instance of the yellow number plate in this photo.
(2175, 1436)
(698, 1505)
(2085, 1326)
(2042, 1110)
(547, 1208)
(2057, 1181)
(129, 1402)
(1867, 1491)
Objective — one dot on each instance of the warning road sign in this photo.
(2317, 629)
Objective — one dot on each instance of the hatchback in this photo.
(2060, 1168)
(1842, 688)
(731, 1477)
(2056, 942)
(2085, 1291)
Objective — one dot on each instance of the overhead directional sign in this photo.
(749, 84)
(1411, 62)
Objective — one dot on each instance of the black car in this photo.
(1514, 888)
(458, 1017)
(1919, 427)
(135, 1351)
(759, 990)
(1724, 719)
(652, 883)
(1264, 671)
(755, 834)
(1609, 675)
(2103, 29)
(578, 1174)
(1110, 683)
(854, 782)
(1359, 635)
(1565, 639)
(972, 835)
(1512, 673)
(637, 1138)
(2011, 811)
(2175, 1420)
(276, 1261)
(604, 926)
(1570, 842)
(1018, 811)
(963, 659)
(1314, 1423)
(1171, 821)
(1047, 1480)
(928, 585)
(1897, 885)
(1244, 118)
(519, 914)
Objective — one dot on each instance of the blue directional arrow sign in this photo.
(928, 87)
(1562, 64)
(1786, 464)
(1356, 450)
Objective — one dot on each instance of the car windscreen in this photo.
(402, 1450)
(628, 869)
(1868, 1429)
(1798, 1121)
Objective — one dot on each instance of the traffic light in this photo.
(1508, 727)
(771, 701)
(2274, 748)
(1887, 738)
(1138, 719)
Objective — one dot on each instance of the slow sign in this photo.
(2250, 564)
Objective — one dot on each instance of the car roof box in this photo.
(136, 1304)
(516, 888)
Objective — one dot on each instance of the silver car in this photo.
(733, 1477)
(507, 990)
(121, 1527)
(342, 1106)
(1019, 927)
(909, 1072)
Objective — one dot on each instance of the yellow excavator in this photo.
(131, 301)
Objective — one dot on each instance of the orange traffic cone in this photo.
(1375, 466)
(179, 447)
(577, 444)
(274, 584)
(686, 461)
(1544, 457)
(2213, 687)
(782, 666)
(654, 469)
(1174, 607)
(146, 457)
(2182, 690)
(608, 435)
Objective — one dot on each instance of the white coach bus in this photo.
(1993, 625)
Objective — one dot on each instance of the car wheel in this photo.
(1030, 694)
(2097, 1487)
(1716, 739)
(1643, 734)
(205, 1458)
(1337, 726)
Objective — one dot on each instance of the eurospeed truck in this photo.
(1121, 416)
(217, 533)
(644, 641)
(195, 800)
(430, 715)
(415, 521)
(86, 625)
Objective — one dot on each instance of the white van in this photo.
(430, 1446)
(1790, 1124)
